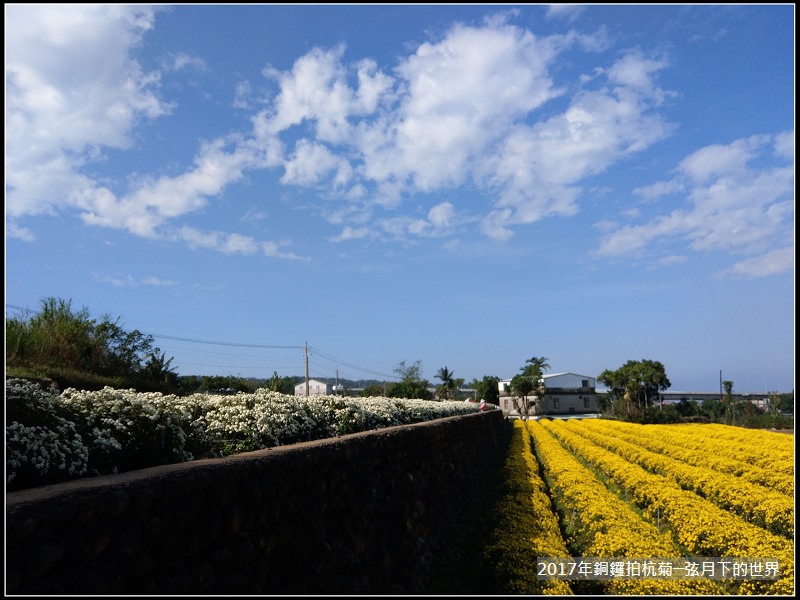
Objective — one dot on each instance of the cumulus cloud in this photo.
(72, 90)
(478, 106)
(311, 163)
(462, 110)
(731, 203)
(159, 200)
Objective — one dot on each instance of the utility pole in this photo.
(306, 351)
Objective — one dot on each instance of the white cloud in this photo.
(721, 160)
(73, 90)
(661, 188)
(316, 90)
(311, 163)
(242, 95)
(774, 262)
(351, 233)
(635, 72)
(734, 205)
(672, 260)
(157, 281)
(155, 202)
(784, 145)
(131, 281)
(184, 61)
(458, 110)
(231, 243)
(474, 107)
(536, 168)
(570, 12)
(462, 94)
(16, 232)
(215, 240)
(462, 111)
(442, 215)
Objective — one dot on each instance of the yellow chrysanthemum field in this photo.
(698, 493)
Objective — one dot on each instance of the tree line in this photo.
(67, 346)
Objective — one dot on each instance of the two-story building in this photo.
(565, 394)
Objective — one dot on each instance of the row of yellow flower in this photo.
(701, 527)
(684, 444)
(764, 449)
(749, 437)
(769, 509)
(527, 528)
(600, 524)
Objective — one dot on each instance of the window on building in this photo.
(586, 402)
(556, 403)
(584, 382)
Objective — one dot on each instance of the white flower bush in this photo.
(53, 437)
(42, 443)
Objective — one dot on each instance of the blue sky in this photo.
(464, 186)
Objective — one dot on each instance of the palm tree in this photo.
(159, 370)
(448, 383)
(534, 372)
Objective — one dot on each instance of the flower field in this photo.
(582, 488)
(620, 490)
(52, 437)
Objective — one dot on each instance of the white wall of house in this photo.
(565, 394)
(315, 388)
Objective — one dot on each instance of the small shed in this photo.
(315, 388)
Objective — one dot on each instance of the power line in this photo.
(322, 354)
(340, 361)
(180, 339)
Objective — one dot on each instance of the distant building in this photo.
(315, 388)
(565, 394)
(761, 401)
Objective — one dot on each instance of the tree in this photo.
(447, 389)
(685, 408)
(66, 343)
(282, 385)
(487, 389)
(727, 400)
(159, 371)
(411, 384)
(519, 388)
(634, 387)
(714, 409)
(787, 403)
(374, 390)
(529, 382)
(780, 403)
(226, 384)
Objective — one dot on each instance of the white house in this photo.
(315, 388)
(565, 394)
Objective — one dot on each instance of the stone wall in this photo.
(366, 513)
